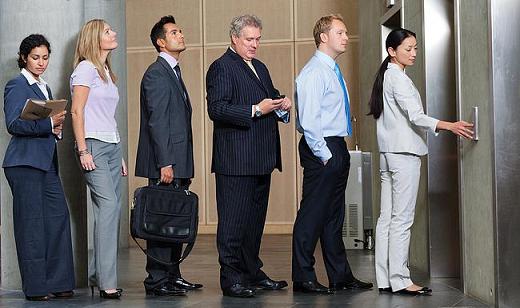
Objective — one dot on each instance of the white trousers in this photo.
(400, 175)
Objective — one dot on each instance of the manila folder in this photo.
(38, 109)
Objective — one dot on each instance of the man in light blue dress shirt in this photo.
(324, 120)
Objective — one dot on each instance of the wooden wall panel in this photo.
(279, 59)
(137, 64)
(191, 63)
(276, 16)
(210, 55)
(141, 15)
(286, 46)
(308, 11)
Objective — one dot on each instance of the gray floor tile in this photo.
(202, 266)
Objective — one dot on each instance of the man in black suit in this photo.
(245, 109)
(165, 150)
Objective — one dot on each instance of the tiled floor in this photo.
(202, 266)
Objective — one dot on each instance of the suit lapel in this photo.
(241, 63)
(37, 91)
(175, 80)
(263, 79)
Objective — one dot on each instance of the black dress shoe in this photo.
(65, 294)
(184, 284)
(269, 284)
(37, 298)
(351, 285)
(311, 287)
(238, 290)
(387, 289)
(423, 291)
(166, 289)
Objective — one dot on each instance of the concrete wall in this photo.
(60, 21)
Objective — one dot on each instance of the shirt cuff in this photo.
(325, 154)
(322, 153)
(434, 127)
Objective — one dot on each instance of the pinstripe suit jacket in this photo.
(242, 145)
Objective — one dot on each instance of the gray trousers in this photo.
(104, 183)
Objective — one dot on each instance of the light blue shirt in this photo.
(320, 104)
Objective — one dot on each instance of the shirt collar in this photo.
(394, 66)
(30, 78)
(325, 59)
(247, 61)
(170, 59)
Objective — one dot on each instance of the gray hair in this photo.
(240, 22)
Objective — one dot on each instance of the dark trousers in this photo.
(41, 230)
(242, 208)
(158, 273)
(321, 213)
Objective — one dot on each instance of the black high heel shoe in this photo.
(114, 295)
(119, 290)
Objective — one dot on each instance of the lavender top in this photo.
(101, 105)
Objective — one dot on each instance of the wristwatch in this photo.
(258, 112)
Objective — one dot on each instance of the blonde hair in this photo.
(88, 48)
(323, 25)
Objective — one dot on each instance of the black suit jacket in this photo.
(165, 136)
(242, 145)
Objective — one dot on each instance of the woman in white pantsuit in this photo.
(401, 126)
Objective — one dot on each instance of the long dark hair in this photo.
(394, 39)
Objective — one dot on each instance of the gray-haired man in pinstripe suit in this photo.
(246, 149)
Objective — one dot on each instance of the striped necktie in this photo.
(345, 96)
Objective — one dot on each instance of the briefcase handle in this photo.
(185, 253)
(174, 186)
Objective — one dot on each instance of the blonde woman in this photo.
(94, 101)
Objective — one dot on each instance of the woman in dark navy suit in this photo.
(40, 212)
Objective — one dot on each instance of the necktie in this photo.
(177, 69)
(345, 95)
